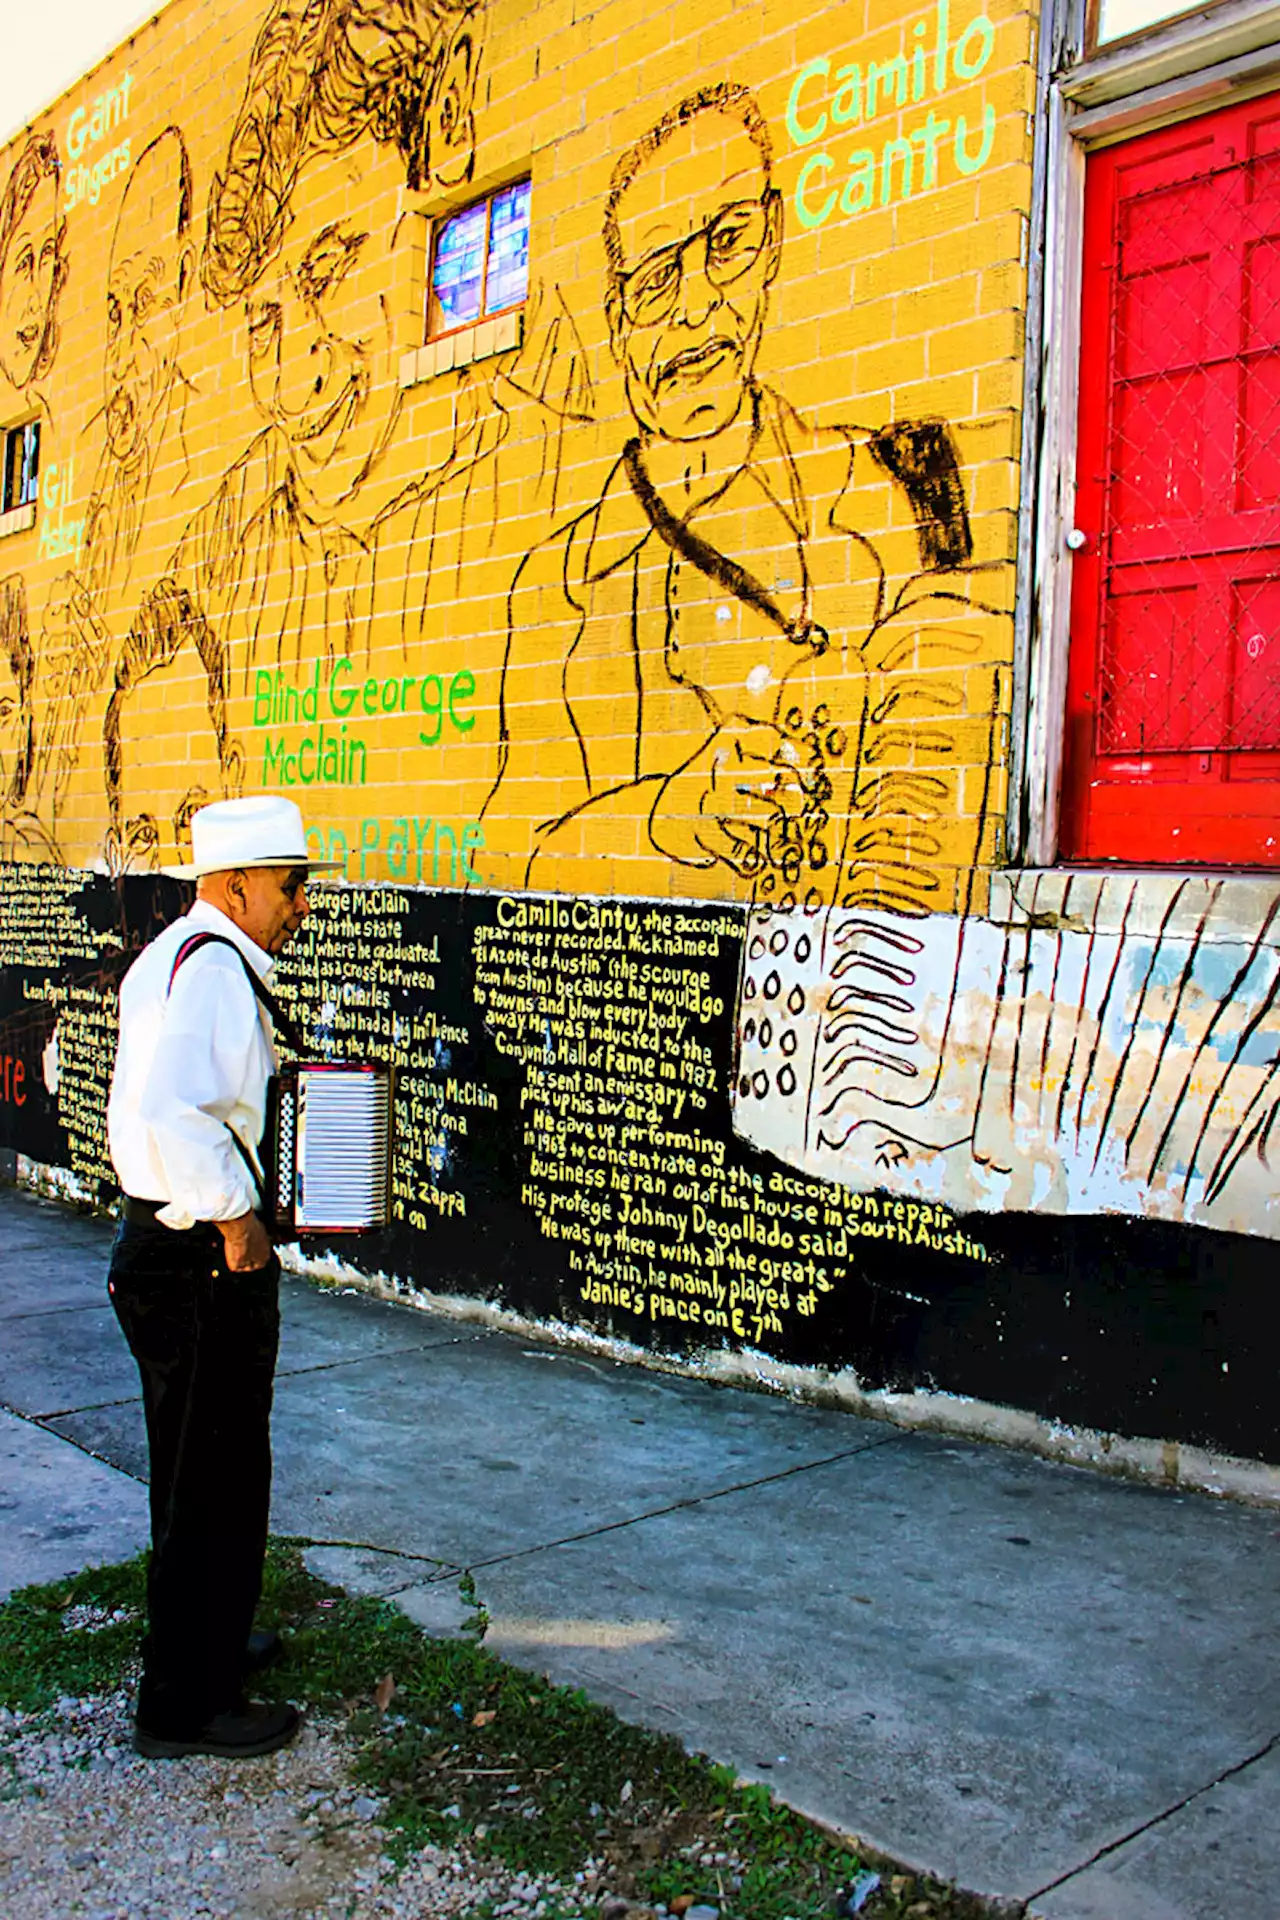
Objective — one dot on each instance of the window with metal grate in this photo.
(1172, 749)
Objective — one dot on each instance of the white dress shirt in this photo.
(189, 1064)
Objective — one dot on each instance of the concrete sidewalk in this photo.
(1044, 1685)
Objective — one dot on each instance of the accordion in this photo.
(328, 1148)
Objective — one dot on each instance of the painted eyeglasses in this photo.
(733, 241)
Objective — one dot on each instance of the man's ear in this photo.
(236, 893)
(774, 232)
(613, 314)
(186, 271)
(450, 126)
(63, 267)
(232, 757)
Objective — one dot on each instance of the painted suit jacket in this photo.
(824, 591)
(267, 579)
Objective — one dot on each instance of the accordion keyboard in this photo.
(343, 1149)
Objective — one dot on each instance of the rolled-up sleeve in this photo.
(196, 1080)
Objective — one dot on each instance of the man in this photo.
(33, 264)
(22, 836)
(275, 562)
(149, 280)
(193, 1277)
(345, 105)
(169, 660)
(16, 669)
(697, 667)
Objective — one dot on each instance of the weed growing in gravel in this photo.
(542, 1778)
(459, 1744)
(42, 1658)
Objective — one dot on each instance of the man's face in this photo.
(13, 726)
(150, 275)
(274, 905)
(701, 234)
(28, 275)
(165, 773)
(323, 344)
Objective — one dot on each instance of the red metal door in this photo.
(1172, 751)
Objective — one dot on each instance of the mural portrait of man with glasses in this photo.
(714, 609)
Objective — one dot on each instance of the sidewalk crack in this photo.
(610, 1526)
(1157, 1819)
(440, 1570)
(377, 1353)
(69, 1439)
(91, 1406)
(690, 1500)
(45, 1313)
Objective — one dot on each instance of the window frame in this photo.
(8, 435)
(438, 226)
(1178, 71)
(1093, 17)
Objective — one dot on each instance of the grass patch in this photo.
(41, 1659)
(461, 1744)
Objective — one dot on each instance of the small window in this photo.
(21, 466)
(480, 264)
(1124, 19)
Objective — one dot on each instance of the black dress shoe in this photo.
(264, 1649)
(245, 1730)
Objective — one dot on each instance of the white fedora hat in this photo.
(263, 830)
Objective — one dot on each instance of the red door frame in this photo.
(1178, 804)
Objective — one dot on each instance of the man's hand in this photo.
(245, 1242)
(734, 800)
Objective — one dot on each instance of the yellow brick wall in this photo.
(171, 492)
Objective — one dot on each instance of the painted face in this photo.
(13, 727)
(151, 270)
(28, 276)
(451, 130)
(323, 344)
(159, 791)
(701, 232)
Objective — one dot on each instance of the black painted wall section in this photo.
(1135, 1327)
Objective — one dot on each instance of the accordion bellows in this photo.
(332, 1148)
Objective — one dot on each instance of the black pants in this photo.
(205, 1342)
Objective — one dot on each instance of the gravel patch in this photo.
(91, 1831)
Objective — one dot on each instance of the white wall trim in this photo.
(1026, 600)
(18, 519)
(1128, 91)
(461, 349)
(1055, 490)
(1178, 99)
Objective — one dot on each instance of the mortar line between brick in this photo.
(1156, 1820)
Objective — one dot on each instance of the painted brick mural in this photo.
(573, 451)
